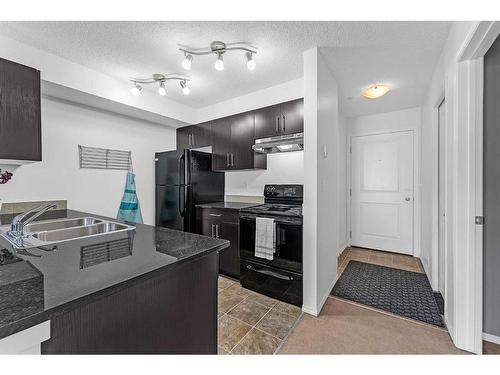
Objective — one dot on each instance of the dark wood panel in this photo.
(172, 313)
(221, 145)
(292, 117)
(229, 258)
(20, 115)
(267, 121)
(183, 137)
(242, 137)
(202, 135)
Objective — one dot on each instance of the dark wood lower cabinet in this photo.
(174, 312)
(223, 223)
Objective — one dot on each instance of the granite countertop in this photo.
(228, 205)
(34, 288)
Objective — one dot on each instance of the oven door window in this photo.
(288, 254)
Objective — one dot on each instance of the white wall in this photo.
(58, 176)
(282, 168)
(444, 83)
(406, 119)
(321, 206)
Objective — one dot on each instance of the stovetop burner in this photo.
(275, 209)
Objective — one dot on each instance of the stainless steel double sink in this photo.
(50, 232)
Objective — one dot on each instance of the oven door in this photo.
(282, 285)
(288, 255)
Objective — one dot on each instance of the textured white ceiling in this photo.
(401, 53)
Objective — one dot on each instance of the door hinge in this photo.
(350, 192)
(479, 220)
(350, 149)
(350, 234)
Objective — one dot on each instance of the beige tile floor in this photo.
(250, 323)
(382, 258)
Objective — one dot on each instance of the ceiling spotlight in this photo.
(376, 91)
(185, 88)
(136, 89)
(250, 61)
(162, 90)
(187, 62)
(219, 63)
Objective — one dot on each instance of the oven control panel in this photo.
(284, 191)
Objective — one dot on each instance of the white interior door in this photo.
(441, 198)
(382, 192)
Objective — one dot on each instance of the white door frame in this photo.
(416, 178)
(465, 87)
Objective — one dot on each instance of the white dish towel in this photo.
(265, 245)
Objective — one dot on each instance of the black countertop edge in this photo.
(32, 320)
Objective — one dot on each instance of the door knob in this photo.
(407, 199)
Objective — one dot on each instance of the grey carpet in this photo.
(404, 293)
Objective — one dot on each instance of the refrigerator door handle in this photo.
(182, 190)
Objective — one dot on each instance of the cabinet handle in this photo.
(216, 230)
(283, 122)
(232, 160)
(227, 159)
(192, 137)
(216, 215)
(212, 230)
(277, 124)
(189, 139)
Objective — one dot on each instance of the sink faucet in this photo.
(20, 221)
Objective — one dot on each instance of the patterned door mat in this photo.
(404, 293)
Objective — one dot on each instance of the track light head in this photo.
(162, 91)
(250, 61)
(219, 63)
(185, 89)
(187, 62)
(136, 89)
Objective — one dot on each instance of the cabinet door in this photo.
(242, 130)
(20, 116)
(267, 121)
(184, 137)
(201, 135)
(221, 144)
(229, 258)
(292, 117)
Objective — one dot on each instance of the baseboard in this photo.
(309, 310)
(325, 297)
(491, 338)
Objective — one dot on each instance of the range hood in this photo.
(280, 143)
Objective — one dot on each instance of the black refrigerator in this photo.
(184, 178)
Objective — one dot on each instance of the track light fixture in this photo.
(250, 61)
(160, 79)
(185, 89)
(136, 89)
(188, 61)
(218, 48)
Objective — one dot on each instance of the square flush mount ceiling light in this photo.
(376, 91)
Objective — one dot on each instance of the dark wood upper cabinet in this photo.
(292, 117)
(279, 119)
(20, 113)
(232, 137)
(267, 121)
(221, 148)
(183, 137)
(194, 136)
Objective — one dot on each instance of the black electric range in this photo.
(280, 277)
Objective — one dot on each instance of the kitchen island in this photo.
(150, 290)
